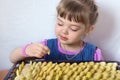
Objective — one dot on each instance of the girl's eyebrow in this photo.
(60, 19)
(77, 25)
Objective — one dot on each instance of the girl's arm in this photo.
(30, 50)
(19, 53)
(16, 55)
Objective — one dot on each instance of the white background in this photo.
(24, 21)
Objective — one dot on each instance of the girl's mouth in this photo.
(63, 38)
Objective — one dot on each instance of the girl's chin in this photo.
(62, 41)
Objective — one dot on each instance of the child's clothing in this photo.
(89, 52)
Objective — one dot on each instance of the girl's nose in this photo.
(65, 30)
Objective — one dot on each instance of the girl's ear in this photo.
(91, 28)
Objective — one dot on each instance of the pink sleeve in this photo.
(24, 48)
(98, 55)
(44, 42)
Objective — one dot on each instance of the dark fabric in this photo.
(87, 54)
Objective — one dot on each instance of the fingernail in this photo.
(48, 52)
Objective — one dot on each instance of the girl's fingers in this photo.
(44, 48)
(40, 49)
(39, 55)
(37, 50)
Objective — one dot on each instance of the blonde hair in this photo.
(84, 11)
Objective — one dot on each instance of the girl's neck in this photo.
(72, 47)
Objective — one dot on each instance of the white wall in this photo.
(106, 34)
(23, 21)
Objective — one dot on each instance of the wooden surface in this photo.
(3, 74)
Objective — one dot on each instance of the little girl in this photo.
(75, 20)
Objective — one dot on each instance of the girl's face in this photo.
(69, 32)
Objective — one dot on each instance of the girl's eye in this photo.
(60, 24)
(74, 29)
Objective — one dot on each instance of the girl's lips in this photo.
(63, 38)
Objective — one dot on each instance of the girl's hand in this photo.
(37, 50)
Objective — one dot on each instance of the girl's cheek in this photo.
(57, 31)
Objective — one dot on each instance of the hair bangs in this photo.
(72, 15)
